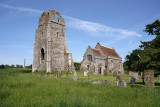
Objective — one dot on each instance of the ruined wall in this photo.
(115, 64)
(50, 50)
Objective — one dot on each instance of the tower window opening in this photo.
(57, 17)
(42, 54)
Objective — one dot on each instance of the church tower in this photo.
(50, 49)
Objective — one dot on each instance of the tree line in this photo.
(13, 66)
(147, 56)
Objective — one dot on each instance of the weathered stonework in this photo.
(149, 78)
(100, 59)
(50, 49)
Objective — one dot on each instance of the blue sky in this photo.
(112, 23)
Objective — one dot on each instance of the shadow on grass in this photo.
(155, 83)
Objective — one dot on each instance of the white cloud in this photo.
(100, 29)
(21, 8)
(91, 27)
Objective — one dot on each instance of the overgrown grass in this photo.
(27, 89)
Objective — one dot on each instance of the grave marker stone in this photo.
(149, 78)
(58, 74)
(132, 80)
(85, 73)
(118, 77)
(114, 73)
(121, 83)
(105, 72)
(135, 75)
(75, 76)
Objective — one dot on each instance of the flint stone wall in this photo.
(50, 49)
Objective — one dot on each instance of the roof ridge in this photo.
(107, 47)
(110, 51)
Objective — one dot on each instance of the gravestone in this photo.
(158, 78)
(118, 77)
(85, 73)
(121, 83)
(114, 73)
(105, 82)
(75, 76)
(105, 72)
(132, 80)
(58, 74)
(135, 75)
(149, 78)
(130, 72)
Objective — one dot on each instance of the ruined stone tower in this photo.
(50, 49)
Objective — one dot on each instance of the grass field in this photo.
(18, 89)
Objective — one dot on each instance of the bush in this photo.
(77, 65)
(137, 85)
(64, 71)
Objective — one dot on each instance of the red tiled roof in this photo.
(96, 52)
(110, 52)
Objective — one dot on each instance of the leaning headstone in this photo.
(132, 80)
(118, 77)
(114, 73)
(121, 83)
(158, 78)
(149, 78)
(85, 73)
(75, 76)
(135, 75)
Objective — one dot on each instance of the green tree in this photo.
(148, 55)
(2, 66)
(132, 60)
(12, 66)
(77, 65)
(30, 66)
(154, 28)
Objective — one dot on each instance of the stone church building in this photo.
(100, 59)
(50, 49)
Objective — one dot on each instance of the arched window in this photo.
(89, 58)
(57, 17)
(42, 54)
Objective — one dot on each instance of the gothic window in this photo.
(89, 58)
(57, 17)
(42, 54)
